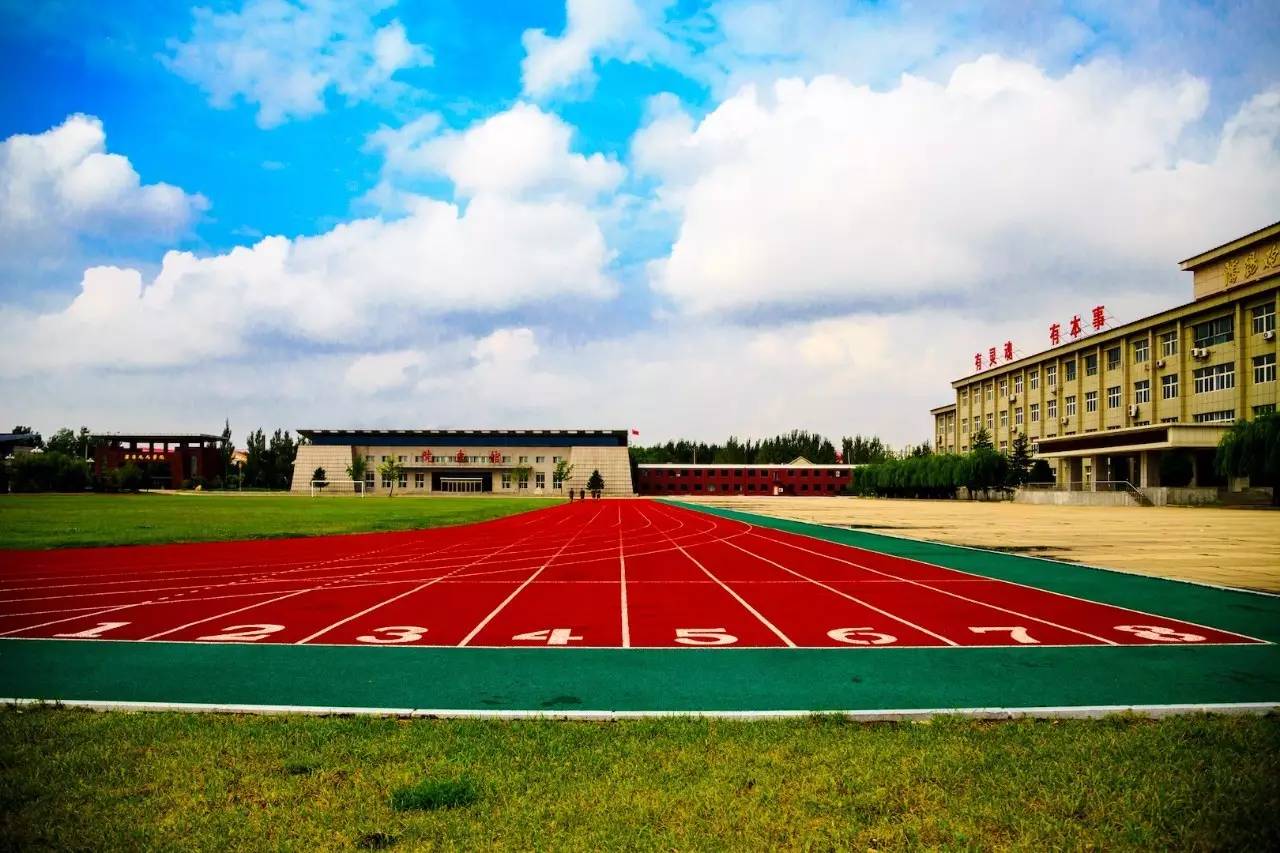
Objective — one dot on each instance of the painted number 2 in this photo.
(394, 634)
(1160, 634)
(241, 634)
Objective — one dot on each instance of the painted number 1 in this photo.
(94, 633)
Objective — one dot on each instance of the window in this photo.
(419, 480)
(1215, 417)
(540, 459)
(1035, 413)
(1017, 417)
(1169, 344)
(1069, 407)
(385, 458)
(1113, 397)
(555, 460)
(1033, 379)
(368, 479)
(1004, 418)
(402, 458)
(1141, 351)
(1264, 368)
(1265, 409)
(1219, 377)
(1051, 410)
(1091, 401)
(1219, 331)
(964, 396)
(964, 425)
(368, 457)
(1091, 365)
(1050, 375)
(990, 391)
(1113, 358)
(1263, 318)
(1017, 384)
(991, 421)
(539, 480)
(977, 423)
(1142, 391)
(506, 481)
(1004, 445)
(522, 484)
(523, 460)
(403, 480)
(1069, 370)
(1004, 388)
(386, 482)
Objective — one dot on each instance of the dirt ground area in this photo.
(1232, 547)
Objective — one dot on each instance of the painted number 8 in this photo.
(1160, 634)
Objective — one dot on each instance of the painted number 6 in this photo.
(1160, 634)
(861, 637)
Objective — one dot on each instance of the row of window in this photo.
(521, 460)
(739, 472)
(830, 488)
(1262, 318)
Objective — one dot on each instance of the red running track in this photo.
(612, 573)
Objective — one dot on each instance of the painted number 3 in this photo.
(393, 634)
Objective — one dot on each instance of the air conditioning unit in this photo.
(1199, 352)
(1133, 411)
(1159, 362)
(1269, 335)
(1013, 398)
(1065, 421)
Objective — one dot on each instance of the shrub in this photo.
(430, 795)
(129, 478)
(49, 472)
(1041, 472)
(1176, 469)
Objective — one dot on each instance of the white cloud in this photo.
(285, 56)
(506, 346)
(522, 152)
(626, 30)
(361, 278)
(1004, 178)
(62, 184)
(376, 372)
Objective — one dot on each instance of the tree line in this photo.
(813, 446)
(923, 474)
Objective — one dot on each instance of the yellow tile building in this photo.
(1106, 406)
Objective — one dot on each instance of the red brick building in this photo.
(168, 459)
(798, 477)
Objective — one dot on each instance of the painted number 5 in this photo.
(704, 637)
(861, 637)
(394, 634)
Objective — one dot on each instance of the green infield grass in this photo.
(71, 779)
(56, 521)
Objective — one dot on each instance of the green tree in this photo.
(1020, 460)
(130, 478)
(982, 440)
(36, 440)
(595, 483)
(356, 470)
(1040, 472)
(319, 478)
(1252, 449)
(563, 471)
(390, 471)
(521, 474)
(226, 447)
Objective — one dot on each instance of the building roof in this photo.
(164, 437)
(470, 437)
(1230, 247)
(449, 432)
(940, 409)
(742, 465)
(8, 439)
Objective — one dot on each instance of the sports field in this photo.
(623, 607)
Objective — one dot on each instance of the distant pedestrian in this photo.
(571, 496)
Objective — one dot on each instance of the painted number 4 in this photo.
(549, 636)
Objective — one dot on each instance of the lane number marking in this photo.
(241, 633)
(549, 636)
(861, 637)
(1016, 632)
(704, 637)
(394, 634)
(93, 633)
(1160, 634)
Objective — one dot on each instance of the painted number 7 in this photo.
(1016, 633)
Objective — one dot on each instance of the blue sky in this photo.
(609, 213)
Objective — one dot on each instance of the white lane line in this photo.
(622, 567)
(956, 595)
(417, 588)
(756, 613)
(477, 629)
(868, 605)
(68, 619)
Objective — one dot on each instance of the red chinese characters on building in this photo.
(977, 361)
(1099, 317)
(427, 457)
(495, 456)
(991, 357)
(1075, 326)
(460, 456)
(1055, 334)
(1008, 350)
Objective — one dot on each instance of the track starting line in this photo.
(618, 607)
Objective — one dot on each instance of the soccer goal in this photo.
(322, 488)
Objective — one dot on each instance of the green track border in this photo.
(592, 682)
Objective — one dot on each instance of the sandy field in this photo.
(1232, 547)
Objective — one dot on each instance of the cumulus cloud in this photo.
(521, 152)
(61, 185)
(285, 56)
(1003, 177)
(595, 30)
(498, 255)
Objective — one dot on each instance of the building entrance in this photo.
(461, 484)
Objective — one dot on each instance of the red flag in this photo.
(635, 431)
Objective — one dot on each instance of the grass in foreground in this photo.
(55, 521)
(76, 779)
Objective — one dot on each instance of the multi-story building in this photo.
(467, 460)
(1106, 406)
